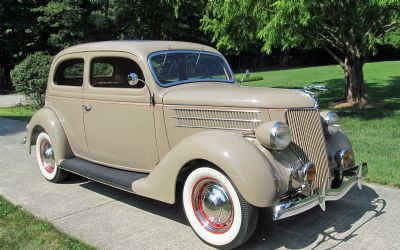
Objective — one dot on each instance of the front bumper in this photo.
(296, 206)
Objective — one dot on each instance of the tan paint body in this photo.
(125, 130)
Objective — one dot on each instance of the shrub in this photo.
(250, 78)
(30, 77)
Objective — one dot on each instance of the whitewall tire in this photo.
(216, 210)
(46, 160)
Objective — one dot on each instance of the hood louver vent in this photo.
(240, 120)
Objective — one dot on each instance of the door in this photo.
(65, 97)
(118, 117)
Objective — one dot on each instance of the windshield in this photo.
(177, 67)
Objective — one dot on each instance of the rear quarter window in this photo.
(70, 73)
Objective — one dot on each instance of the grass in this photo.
(23, 113)
(374, 131)
(21, 230)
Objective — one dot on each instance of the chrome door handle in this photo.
(87, 107)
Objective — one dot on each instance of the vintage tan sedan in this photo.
(142, 116)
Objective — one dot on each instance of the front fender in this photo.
(337, 142)
(241, 160)
(45, 119)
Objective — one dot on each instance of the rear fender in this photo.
(237, 157)
(46, 120)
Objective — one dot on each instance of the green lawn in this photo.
(375, 131)
(23, 113)
(21, 230)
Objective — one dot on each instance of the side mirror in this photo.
(133, 79)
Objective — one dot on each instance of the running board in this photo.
(117, 178)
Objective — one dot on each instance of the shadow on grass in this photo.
(384, 98)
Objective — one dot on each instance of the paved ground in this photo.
(112, 219)
(11, 100)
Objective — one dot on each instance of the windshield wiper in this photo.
(198, 57)
(165, 57)
(197, 61)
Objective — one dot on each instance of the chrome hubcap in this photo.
(212, 205)
(47, 156)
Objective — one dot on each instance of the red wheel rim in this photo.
(212, 205)
(47, 156)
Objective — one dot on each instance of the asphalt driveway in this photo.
(111, 219)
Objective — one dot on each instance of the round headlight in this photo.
(274, 135)
(332, 122)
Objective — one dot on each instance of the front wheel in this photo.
(46, 160)
(216, 210)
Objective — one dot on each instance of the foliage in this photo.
(250, 78)
(21, 230)
(30, 77)
(18, 36)
(309, 24)
(28, 26)
(373, 130)
(231, 25)
(63, 22)
(150, 19)
(392, 38)
(158, 20)
(341, 27)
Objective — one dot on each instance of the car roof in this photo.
(141, 48)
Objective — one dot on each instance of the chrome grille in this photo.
(242, 120)
(308, 140)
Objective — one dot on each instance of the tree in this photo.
(393, 39)
(231, 25)
(347, 29)
(187, 20)
(18, 36)
(63, 23)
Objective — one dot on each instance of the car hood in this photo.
(232, 95)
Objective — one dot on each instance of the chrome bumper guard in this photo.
(296, 206)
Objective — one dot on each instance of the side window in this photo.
(70, 73)
(102, 70)
(112, 72)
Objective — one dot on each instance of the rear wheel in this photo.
(46, 160)
(216, 210)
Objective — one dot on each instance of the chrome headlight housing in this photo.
(345, 158)
(274, 135)
(331, 122)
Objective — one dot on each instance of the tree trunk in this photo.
(255, 62)
(261, 60)
(355, 85)
(239, 62)
(5, 81)
(285, 58)
(106, 7)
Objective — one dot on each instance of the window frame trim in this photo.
(162, 52)
(54, 80)
(90, 63)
